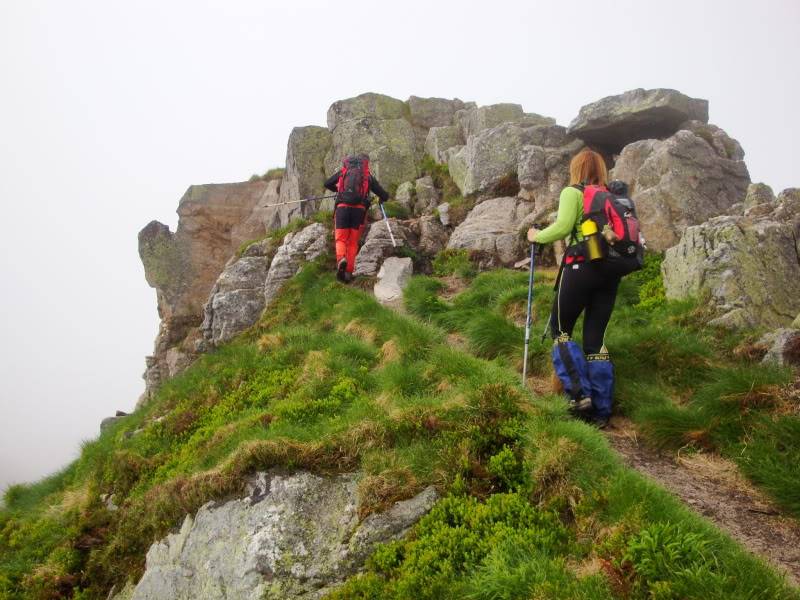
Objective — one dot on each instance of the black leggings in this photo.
(584, 286)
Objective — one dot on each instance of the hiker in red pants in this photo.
(352, 184)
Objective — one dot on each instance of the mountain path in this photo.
(714, 488)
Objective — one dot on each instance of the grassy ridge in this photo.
(687, 385)
(537, 505)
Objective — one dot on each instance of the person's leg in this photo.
(569, 363)
(600, 367)
(570, 300)
(341, 233)
(352, 248)
(599, 306)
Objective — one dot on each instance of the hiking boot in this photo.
(348, 277)
(579, 407)
(599, 422)
(341, 269)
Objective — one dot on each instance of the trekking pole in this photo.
(303, 200)
(385, 218)
(528, 317)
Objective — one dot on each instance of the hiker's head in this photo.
(588, 167)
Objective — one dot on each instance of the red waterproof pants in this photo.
(349, 222)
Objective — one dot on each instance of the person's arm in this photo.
(570, 206)
(330, 182)
(376, 189)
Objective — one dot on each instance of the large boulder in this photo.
(306, 245)
(378, 245)
(291, 537)
(433, 234)
(305, 173)
(615, 121)
(492, 229)
(543, 172)
(745, 267)
(759, 194)
(440, 139)
(393, 277)
(782, 347)
(237, 299)
(432, 112)
(214, 220)
(390, 143)
(375, 106)
(491, 156)
(678, 182)
(474, 120)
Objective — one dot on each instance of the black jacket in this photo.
(374, 186)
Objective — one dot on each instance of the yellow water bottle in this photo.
(592, 239)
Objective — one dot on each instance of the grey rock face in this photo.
(493, 154)
(390, 143)
(427, 197)
(432, 112)
(371, 105)
(678, 182)
(783, 347)
(759, 193)
(543, 172)
(444, 213)
(747, 268)
(393, 277)
(378, 245)
(433, 234)
(616, 121)
(724, 145)
(293, 537)
(237, 299)
(477, 119)
(405, 195)
(493, 228)
(440, 139)
(298, 248)
(304, 176)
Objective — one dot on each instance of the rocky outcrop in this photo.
(433, 235)
(292, 537)
(543, 172)
(298, 248)
(378, 246)
(747, 268)
(304, 175)
(393, 277)
(782, 346)
(492, 229)
(615, 121)
(369, 105)
(759, 194)
(678, 182)
(390, 143)
(214, 220)
(491, 157)
(425, 194)
(440, 139)
(237, 299)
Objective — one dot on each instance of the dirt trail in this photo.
(714, 488)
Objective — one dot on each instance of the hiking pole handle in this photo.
(386, 219)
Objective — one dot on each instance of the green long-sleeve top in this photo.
(570, 213)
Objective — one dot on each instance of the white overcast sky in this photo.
(110, 109)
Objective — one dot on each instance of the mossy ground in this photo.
(537, 505)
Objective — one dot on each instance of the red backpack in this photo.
(614, 213)
(353, 184)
